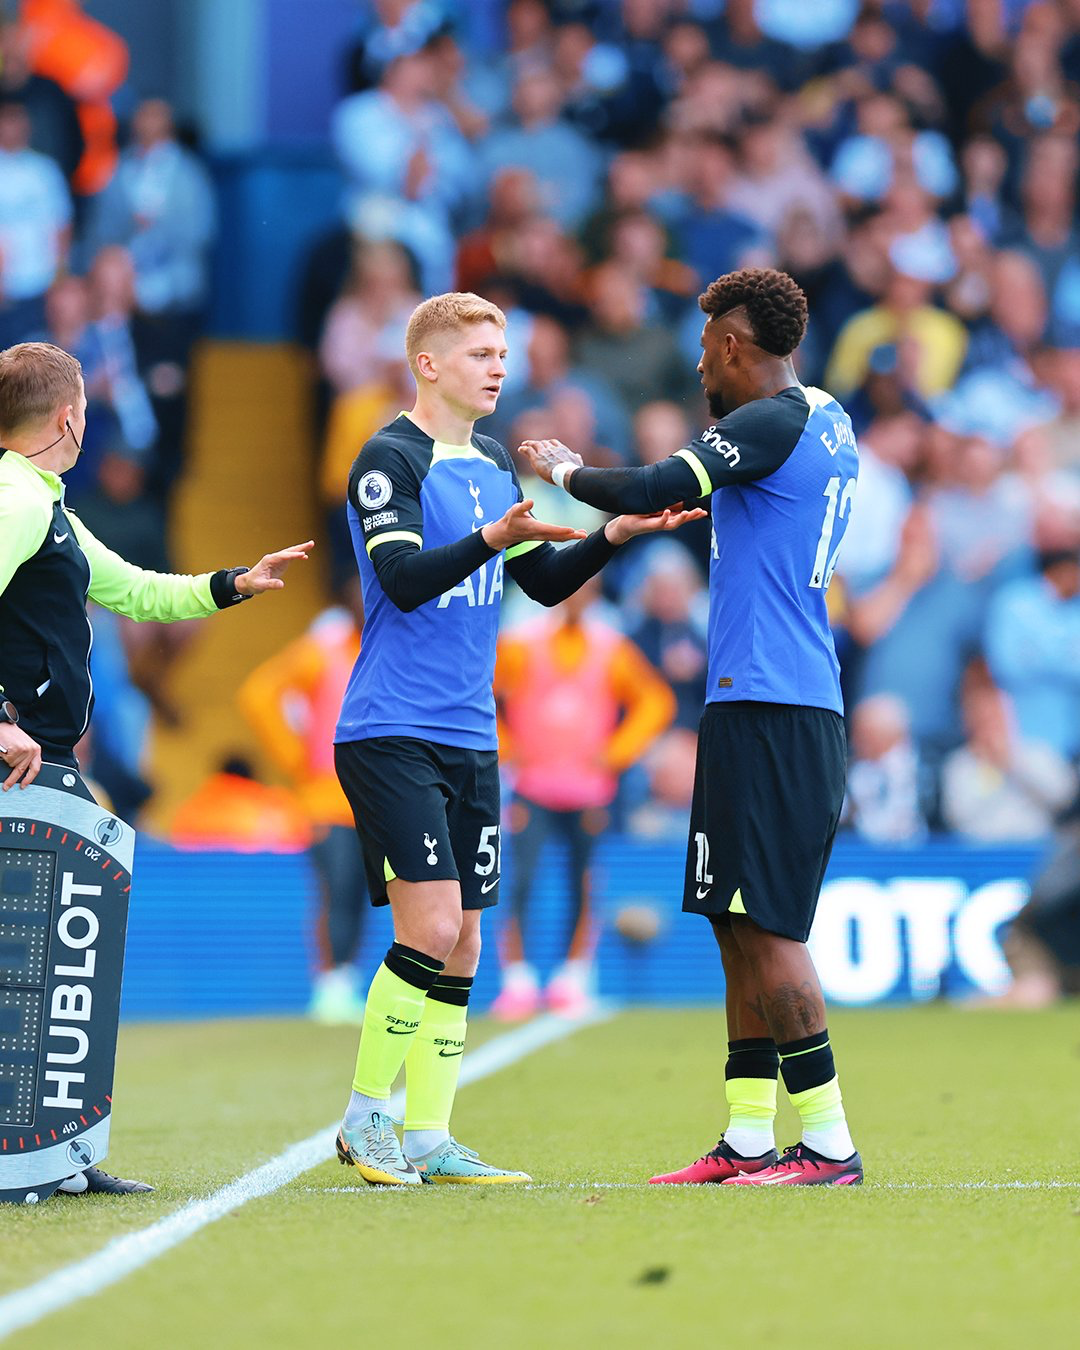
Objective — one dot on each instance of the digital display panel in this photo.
(26, 891)
(20, 1038)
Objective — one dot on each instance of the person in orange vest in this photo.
(89, 62)
(291, 702)
(579, 704)
(231, 810)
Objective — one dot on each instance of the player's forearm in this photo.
(411, 576)
(549, 575)
(639, 492)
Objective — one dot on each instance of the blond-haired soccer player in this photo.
(437, 514)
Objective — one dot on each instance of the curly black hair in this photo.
(775, 306)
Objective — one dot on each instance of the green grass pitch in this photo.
(938, 1249)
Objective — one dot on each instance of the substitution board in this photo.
(65, 875)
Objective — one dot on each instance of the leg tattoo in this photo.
(793, 1011)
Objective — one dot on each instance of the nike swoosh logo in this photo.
(701, 894)
(449, 1054)
(488, 886)
(392, 1032)
(59, 538)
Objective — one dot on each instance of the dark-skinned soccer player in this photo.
(781, 466)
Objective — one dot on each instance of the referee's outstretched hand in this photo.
(21, 753)
(519, 527)
(266, 574)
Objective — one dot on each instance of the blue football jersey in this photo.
(782, 472)
(427, 673)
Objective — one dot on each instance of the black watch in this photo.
(8, 712)
(223, 587)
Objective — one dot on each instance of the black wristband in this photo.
(223, 587)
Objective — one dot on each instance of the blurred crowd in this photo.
(591, 165)
(914, 166)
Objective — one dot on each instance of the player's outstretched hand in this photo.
(519, 527)
(622, 528)
(267, 572)
(21, 753)
(547, 455)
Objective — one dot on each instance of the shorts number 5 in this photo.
(489, 854)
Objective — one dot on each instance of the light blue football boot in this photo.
(372, 1148)
(451, 1163)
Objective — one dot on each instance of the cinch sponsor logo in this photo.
(730, 452)
(875, 940)
(68, 1042)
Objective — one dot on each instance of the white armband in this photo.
(560, 473)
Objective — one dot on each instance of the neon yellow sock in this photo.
(751, 1100)
(394, 1011)
(752, 1107)
(819, 1107)
(824, 1124)
(433, 1064)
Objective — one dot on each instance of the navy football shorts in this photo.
(768, 791)
(425, 812)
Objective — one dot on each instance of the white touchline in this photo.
(126, 1254)
(870, 1186)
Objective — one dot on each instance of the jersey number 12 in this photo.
(824, 561)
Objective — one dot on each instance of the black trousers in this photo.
(537, 823)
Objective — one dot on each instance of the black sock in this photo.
(754, 1057)
(807, 1063)
(452, 989)
(412, 966)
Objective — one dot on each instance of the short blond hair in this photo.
(447, 313)
(36, 378)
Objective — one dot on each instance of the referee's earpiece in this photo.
(78, 443)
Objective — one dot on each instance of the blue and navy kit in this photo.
(426, 673)
(782, 473)
(432, 586)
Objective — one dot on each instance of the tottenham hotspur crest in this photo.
(374, 490)
(474, 493)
